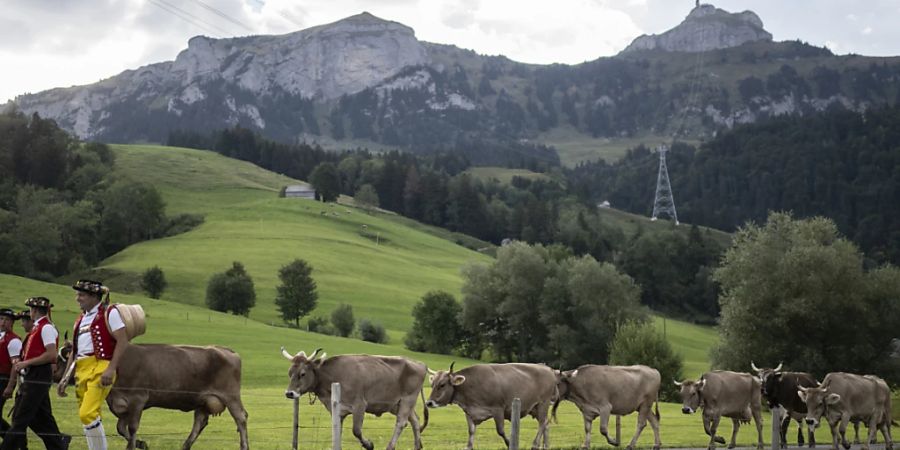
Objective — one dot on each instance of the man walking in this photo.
(32, 409)
(100, 340)
(10, 349)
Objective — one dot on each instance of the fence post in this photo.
(619, 430)
(335, 416)
(294, 442)
(776, 428)
(514, 424)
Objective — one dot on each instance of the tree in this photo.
(342, 320)
(131, 212)
(297, 294)
(795, 291)
(231, 290)
(436, 327)
(637, 343)
(153, 281)
(366, 197)
(327, 182)
(372, 332)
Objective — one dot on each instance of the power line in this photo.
(190, 18)
(223, 15)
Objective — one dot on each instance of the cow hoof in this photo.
(731, 445)
(629, 448)
(846, 445)
(612, 442)
(141, 445)
(368, 445)
(719, 439)
(656, 447)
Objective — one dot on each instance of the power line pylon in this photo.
(664, 203)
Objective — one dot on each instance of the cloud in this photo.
(866, 31)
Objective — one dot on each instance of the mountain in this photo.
(706, 28)
(365, 81)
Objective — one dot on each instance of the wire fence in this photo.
(271, 427)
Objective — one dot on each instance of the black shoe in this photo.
(66, 439)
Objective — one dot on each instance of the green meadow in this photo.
(381, 269)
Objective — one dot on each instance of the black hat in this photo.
(25, 315)
(40, 302)
(9, 313)
(91, 287)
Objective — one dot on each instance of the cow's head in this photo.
(768, 378)
(303, 372)
(564, 380)
(691, 394)
(62, 359)
(817, 400)
(443, 387)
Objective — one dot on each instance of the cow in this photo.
(486, 391)
(205, 380)
(843, 397)
(369, 384)
(619, 390)
(723, 393)
(780, 389)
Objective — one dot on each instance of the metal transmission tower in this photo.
(664, 203)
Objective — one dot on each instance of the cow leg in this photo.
(201, 419)
(239, 414)
(417, 435)
(873, 428)
(654, 424)
(403, 413)
(799, 433)
(540, 414)
(122, 428)
(471, 428)
(713, 426)
(604, 427)
(133, 425)
(856, 432)
(845, 420)
(499, 423)
(641, 423)
(735, 426)
(358, 415)
(706, 427)
(588, 424)
(757, 419)
(785, 423)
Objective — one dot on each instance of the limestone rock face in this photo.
(321, 63)
(706, 28)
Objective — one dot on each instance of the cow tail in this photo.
(424, 409)
(556, 403)
(656, 408)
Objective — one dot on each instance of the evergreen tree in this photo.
(296, 296)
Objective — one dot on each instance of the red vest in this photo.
(35, 346)
(101, 338)
(5, 360)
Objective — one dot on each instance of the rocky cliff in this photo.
(706, 28)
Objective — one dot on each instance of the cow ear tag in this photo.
(458, 380)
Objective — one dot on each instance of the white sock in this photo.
(96, 437)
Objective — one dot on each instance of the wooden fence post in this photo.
(294, 442)
(776, 428)
(335, 416)
(514, 424)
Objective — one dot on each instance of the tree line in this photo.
(60, 209)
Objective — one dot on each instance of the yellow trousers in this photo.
(88, 390)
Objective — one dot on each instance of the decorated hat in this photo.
(9, 313)
(25, 315)
(40, 302)
(91, 287)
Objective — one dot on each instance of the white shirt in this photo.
(85, 344)
(14, 346)
(48, 333)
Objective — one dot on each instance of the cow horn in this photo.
(451, 366)
(779, 366)
(286, 354)
(676, 382)
(431, 371)
(322, 356)
(313, 356)
(757, 369)
(802, 388)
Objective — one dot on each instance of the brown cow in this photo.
(206, 380)
(843, 397)
(619, 390)
(369, 384)
(486, 391)
(723, 393)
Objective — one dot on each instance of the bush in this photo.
(154, 282)
(319, 325)
(637, 343)
(297, 294)
(372, 332)
(182, 223)
(436, 327)
(231, 290)
(342, 320)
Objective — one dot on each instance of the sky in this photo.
(59, 43)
